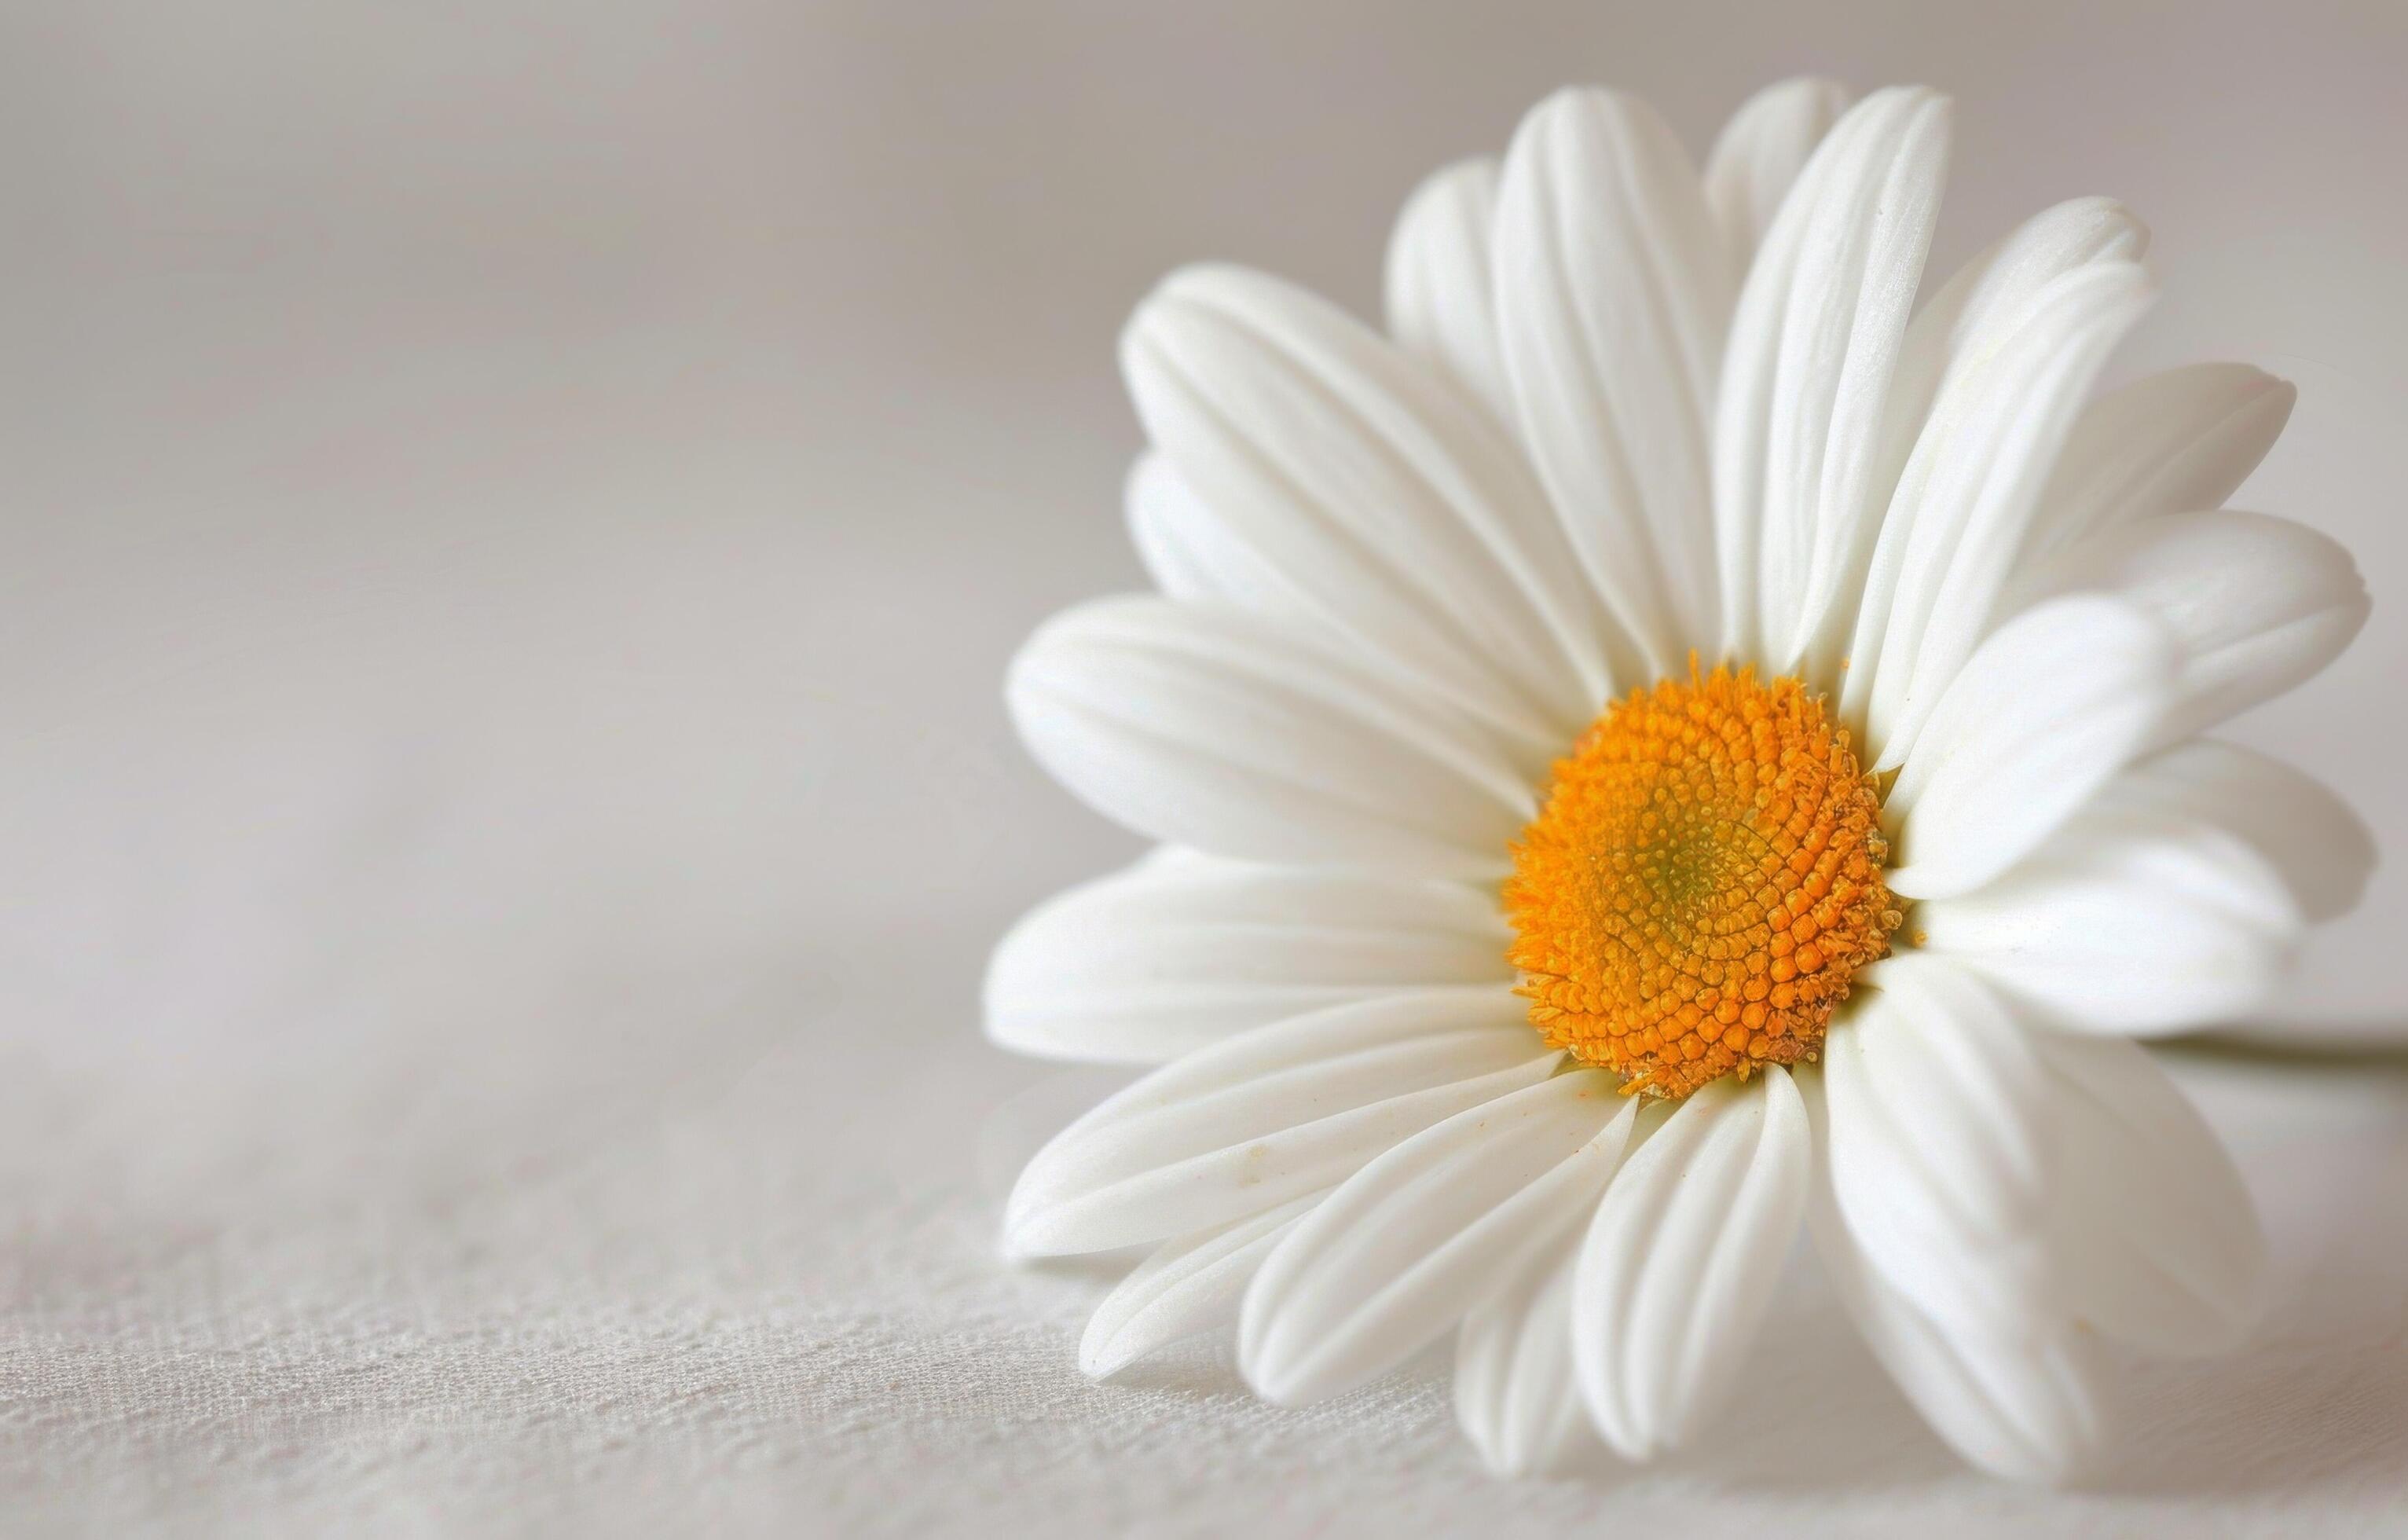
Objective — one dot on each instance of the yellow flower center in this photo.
(1702, 883)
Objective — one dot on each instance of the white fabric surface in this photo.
(541, 1094)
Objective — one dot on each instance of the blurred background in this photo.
(515, 515)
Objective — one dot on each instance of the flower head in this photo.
(1687, 738)
(1702, 886)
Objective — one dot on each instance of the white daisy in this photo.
(1672, 661)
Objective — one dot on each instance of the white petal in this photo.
(1213, 728)
(2131, 918)
(1184, 950)
(2155, 1228)
(1393, 511)
(1988, 1174)
(1940, 1141)
(1974, 314)
(1393, 1259)
(1186, 1285)
(1958, 330)
(1812, 346)
(1190, 555)
(2255, 604)
(2019, 1397)
(1957, 522)
(2173, 443)
(1613, 293)
(1441, 297)
(2322, 850)
(1680, 1265)
(1267, 1118)
(1515, 1393)
(2025, 1405)
(2054, 704)
(1760, 152)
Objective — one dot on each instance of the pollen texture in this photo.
(1701, 886)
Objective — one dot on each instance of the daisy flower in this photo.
(1674, 746)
